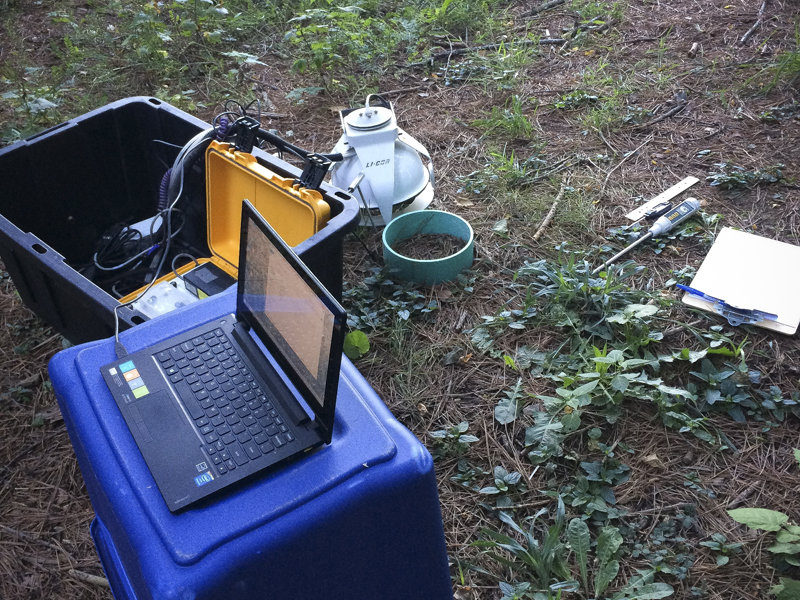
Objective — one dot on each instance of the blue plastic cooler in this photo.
(358, 519)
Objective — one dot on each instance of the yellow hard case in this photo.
(296, 213)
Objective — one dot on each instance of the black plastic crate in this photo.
(63, 188)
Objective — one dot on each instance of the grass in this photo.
(561, 408)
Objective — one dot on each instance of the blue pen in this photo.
(697, 293)
(734, 314)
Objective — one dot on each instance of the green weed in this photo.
(730, 176)
(509, 121)
(453, 441)
(591, 10)
(723, 550)
(500, 70)
(540, 562)
(337, 41)
(786, 549)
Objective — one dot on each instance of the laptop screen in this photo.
(290, 312)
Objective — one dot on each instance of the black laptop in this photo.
(243, 393)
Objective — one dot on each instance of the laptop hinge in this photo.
(293, 409)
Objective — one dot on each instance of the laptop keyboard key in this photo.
(252, 450)
(222, 469)
(272, 430)
(217, 421)
(163, 356)
(238, 454)
(278, 441)
(230, 464)
(289, 437)
(266, 447)
(228, 438)
(188, 400)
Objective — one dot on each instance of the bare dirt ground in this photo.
(701, 99)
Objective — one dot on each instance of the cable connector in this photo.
(315, 168)
(246, 130)
(121, 351)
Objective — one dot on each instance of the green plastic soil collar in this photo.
(427, 272)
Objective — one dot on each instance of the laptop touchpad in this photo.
(173, 444)
(159, 414)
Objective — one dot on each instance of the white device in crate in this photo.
(382, 163)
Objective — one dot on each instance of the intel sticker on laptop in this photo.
(204, 478)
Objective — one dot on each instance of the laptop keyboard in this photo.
(234, 416)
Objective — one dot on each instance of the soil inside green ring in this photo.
(429, 246)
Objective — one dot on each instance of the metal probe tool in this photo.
(679, 214)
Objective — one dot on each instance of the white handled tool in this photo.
(679, 214)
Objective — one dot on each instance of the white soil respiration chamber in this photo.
(382, 163)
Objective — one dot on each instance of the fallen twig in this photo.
(542, 7)
(672, 111)
(627, 156)
(459, 51)
(416, 88)
(550, 214)
(89, 578)
(743, 495)
(752, 30)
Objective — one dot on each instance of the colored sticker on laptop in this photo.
(131, 375)
(204, 478)
(140, 391)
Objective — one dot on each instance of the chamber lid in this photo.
(368, 118)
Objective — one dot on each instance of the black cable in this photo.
(182, 255)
